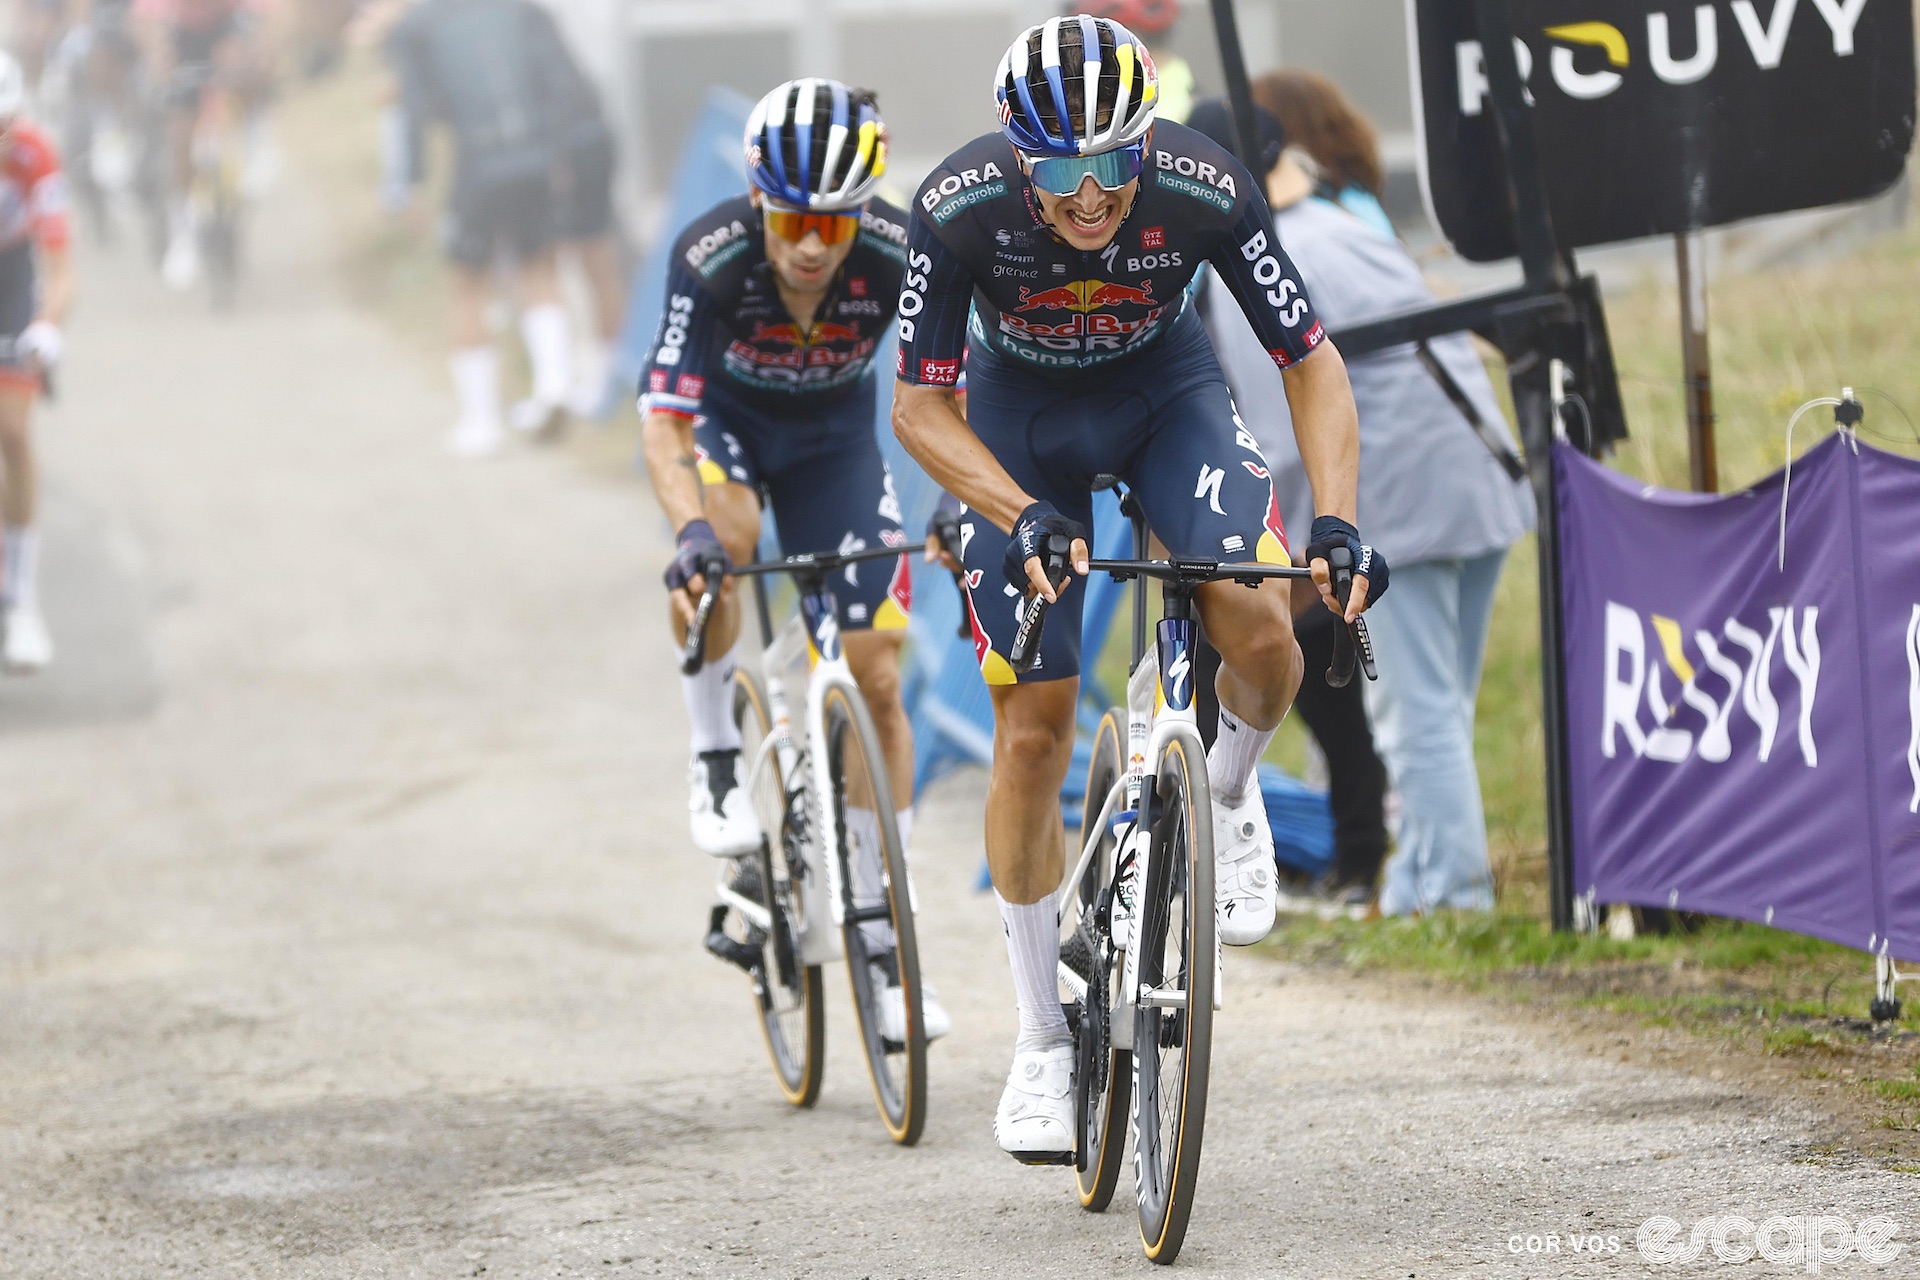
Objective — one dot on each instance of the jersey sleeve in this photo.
(46, 195)
(936, 295)
(1266, 284)
(675, 379)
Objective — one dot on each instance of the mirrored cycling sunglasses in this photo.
(794, 224)
(1062, 175)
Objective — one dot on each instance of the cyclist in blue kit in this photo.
(761, 378)
(1055, 256)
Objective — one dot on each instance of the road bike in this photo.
(830, 877)
(1139, 949)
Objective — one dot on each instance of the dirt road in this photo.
(348, 927)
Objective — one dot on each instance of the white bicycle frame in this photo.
(1159, 711)
(811, 636)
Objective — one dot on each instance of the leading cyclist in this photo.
(761, 375)
(1072, 234)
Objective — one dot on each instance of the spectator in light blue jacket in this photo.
(1442, 492)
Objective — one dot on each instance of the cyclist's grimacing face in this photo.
(1089, 218)
(808, 264)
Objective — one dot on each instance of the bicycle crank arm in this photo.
(732, 950)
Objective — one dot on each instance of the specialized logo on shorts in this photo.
(939, 373)
(1086, 295)
(1153, 238)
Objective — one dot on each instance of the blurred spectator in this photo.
(1337, 718)
(1442, 492)
(583, 186)
(1334, 143)
(1151, 20)
(496, 75)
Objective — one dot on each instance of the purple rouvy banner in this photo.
(1746, 739)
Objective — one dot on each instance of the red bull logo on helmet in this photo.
(1086, 295)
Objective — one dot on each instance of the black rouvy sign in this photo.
(1657, 118)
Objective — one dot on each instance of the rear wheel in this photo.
(1102, 1074)
(789, 996)
(1173, 1025)
(883, 953)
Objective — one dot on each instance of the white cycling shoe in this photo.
(180, 267)
(893, 1010)
(723, 821)
(1034, 1122)
(537, 417)
(1244, 880)
(28, 646)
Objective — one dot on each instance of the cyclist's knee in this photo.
(1033, 733)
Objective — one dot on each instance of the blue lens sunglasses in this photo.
(1062, 175)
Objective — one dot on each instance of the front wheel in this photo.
(1102, 1074)
(883, 952)
(1173, 1023)
(788, 994)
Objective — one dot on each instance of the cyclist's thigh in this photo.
(16, 312)
(836, 495)
(1051, 439)
(1201, 477)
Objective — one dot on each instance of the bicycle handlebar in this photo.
(1352, 644)
(715, 570)
(946, 527)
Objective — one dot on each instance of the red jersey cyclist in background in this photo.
(36, 287)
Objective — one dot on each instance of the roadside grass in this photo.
(1739, 987)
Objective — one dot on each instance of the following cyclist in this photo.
(33, 223)
(194, 46)
(1072, 236)
(761, 377)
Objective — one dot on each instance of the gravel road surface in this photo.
(348, 926)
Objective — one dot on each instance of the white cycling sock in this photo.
(709, 695)
(544, 328)
(20, 575)
(1236, 750)
(476, 383)
(869, 889)
(1033, 947)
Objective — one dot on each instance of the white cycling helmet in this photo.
(1103, 60)
(817, 144)
(13, 86)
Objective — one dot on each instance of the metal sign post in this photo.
(1703, 465)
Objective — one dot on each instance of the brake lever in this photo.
(1026, 640)
(694, 655)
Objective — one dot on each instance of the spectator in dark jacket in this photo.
(496, 76)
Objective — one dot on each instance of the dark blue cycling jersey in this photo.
(977, 240)
(724, 316)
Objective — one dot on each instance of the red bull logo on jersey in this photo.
(823, 333)
(1085, 295)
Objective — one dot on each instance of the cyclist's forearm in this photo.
(928, 423)
(1327, 427)
(666, 440)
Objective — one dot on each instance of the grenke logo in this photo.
(1677, 58)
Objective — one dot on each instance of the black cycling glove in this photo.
(943, 526)
(1030, 533)
(1330, 532)
(698, 551)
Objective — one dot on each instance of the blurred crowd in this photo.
(131, 90)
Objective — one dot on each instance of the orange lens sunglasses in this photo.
(793, 225)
